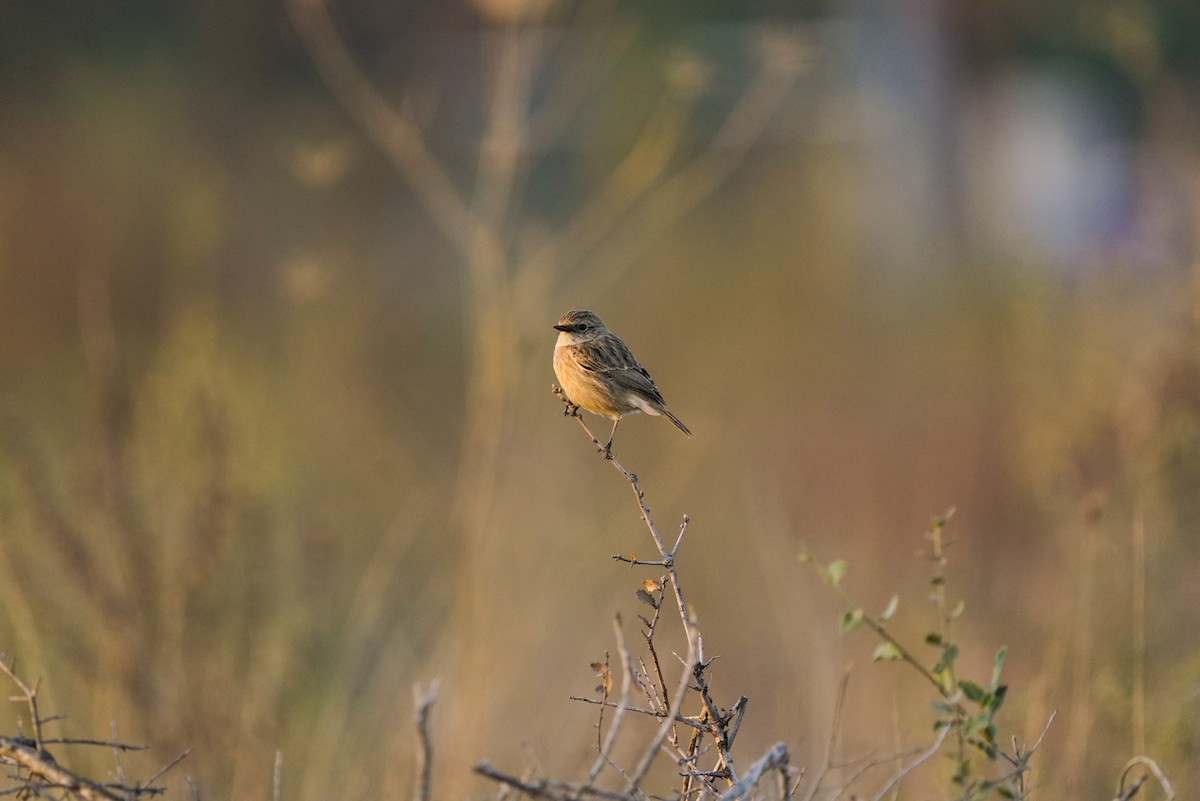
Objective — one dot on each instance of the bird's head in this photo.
(581, 325)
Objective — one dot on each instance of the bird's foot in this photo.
(569, 409)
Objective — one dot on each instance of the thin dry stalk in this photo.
(1138, 711)
(424, 701)
(896, 778)
(605, 755)
(1125, 793)
(831, 743)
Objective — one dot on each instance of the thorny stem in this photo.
(668, 556)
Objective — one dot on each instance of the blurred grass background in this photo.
(278, 439)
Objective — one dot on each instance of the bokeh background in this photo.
(276, 283)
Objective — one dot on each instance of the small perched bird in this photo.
(599, 373)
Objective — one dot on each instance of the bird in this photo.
(599, 372)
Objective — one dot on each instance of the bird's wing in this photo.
(618, 364)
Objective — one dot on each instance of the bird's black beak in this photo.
(563, 327)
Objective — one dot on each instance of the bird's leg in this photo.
(613, 433)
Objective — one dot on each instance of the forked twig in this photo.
(29, 696)
(39, 771)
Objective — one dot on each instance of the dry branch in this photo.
(38, 770)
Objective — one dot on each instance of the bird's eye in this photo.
(583, 326)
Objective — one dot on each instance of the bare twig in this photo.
(911, 766)
(831, 743)
(42, 769)
(694, 655)
(38, 770)
(604, 757)
(1125, 793)
(162, 771)
(423, 777)
(89, 740)
(775, 758)
(1020, 757)
(668, 557)
(641, 710)
(117, 755)
(29, 696)
(552, 789)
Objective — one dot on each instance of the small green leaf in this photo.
(890, 609)
(996, 699)
(998, 665)
(933, 638)
(971, 690)
(886, 652)
(851, 620)
(834, 572)
(949, 656)
(942, 706)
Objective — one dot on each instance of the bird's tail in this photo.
(678, 423)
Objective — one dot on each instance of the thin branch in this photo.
(39, 763)
(423, 779)
(1125, 793)
(1019, 757)
(668, 557)
(654, 713)
(90, 741)
(117, 755)
(29, 696)
(911, 766)
(694, 654)
(547, 788)
(831, 743)
(603, 758)
(168, 766)
(776, 757)
(722, 734)
(737, 713)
